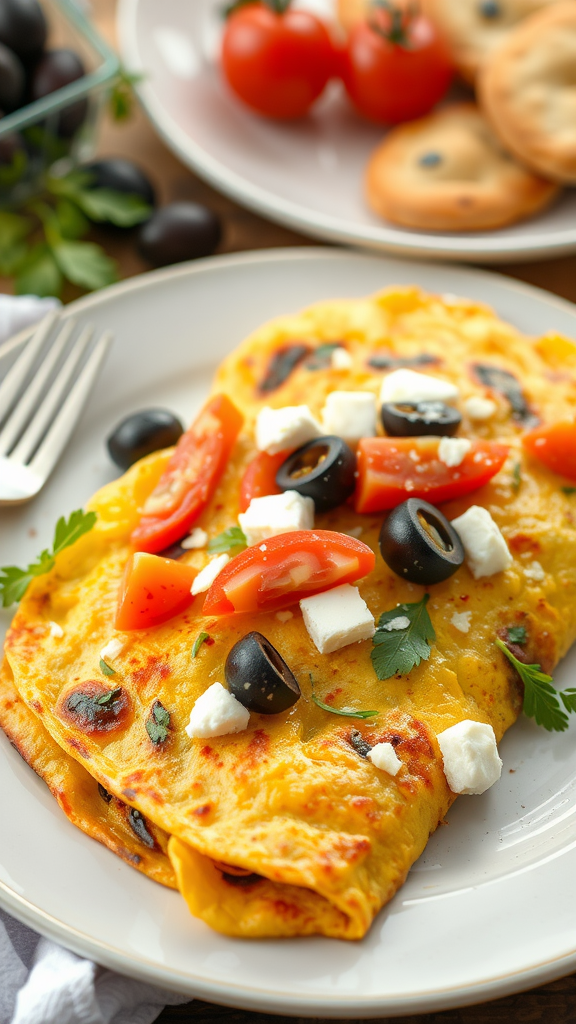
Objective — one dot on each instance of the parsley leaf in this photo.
(107, 669)
(198, 643)
(158, 725)
(540, 698)
(516, 477)
(569, 490)
(231, 539)
(14, 581)
(517, 634)
(109, 697)
(568, 698)
(398, 651)
(345, 712)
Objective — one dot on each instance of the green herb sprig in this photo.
(158, 725)
(398, 651)
(107, 669)
(540, 696)
(569, 490)
(14, 581)
(109, 697)
(233, 539)
(200, 639)
(516, 477)
(517, 635)
(345, 712)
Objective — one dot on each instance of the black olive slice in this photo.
(323, 469)
(281, 366)
(139, 826)
(359, 743)
(383, 361)
(416, 419)
(259, 677)
(419, 544)
(506, 384)
(141, 434)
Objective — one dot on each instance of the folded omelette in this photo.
(287, 828)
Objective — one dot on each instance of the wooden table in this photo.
(554, 1003)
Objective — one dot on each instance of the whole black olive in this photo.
(54, 70)
(122, 176)
(323, 469)
(12, 80)
(178, 232)
(142, 433)
(259, 677)
(419, 544)
(416, 419)
(23, 26)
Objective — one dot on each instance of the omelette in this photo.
(284, 825)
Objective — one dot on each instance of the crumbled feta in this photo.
(453, 450)
(337, 618)
(276, 513)
(208, 574)
(341, 359)
(484, 546)
(350, 414)
(284, 616)
(478, 408)
(462, 621)
(534, 572)
(409, 386)
(197, 539)
(470, 756)
(278, 430)
(384, 756)
(56, 630)
(354, 531)
(217, 713)
(400, 622)
(112, 649)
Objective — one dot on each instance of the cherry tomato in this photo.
(278, 63)
(190, 478)
(153, 589)
(285, 569)
(260, 477)
(555, 446)
(395, 66)
(392, 469)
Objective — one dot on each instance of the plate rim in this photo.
(249, 997)
(323, 227)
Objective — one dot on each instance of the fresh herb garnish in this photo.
(569, 490)
(158, 724)
(516, 477)
(14, 581)
(121, 98)
(517, 634)
(107, 669)
(398, 651)
(345, 712)
(200, 639)
(540, 697)
(229, 540)
(109, 697)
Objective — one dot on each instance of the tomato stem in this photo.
(277, 6)
(395, 27)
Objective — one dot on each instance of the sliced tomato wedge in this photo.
(260, 477)
(153, 590)
(287, 568)
(190, 478)
(555, 446)
(391, 469)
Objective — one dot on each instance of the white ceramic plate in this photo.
(307, 175)
(491, 906)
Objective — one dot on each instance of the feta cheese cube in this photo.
(56, 630)
(208, 574)
(195, 540)
(112, 649)
(217, 713)
(278, 430)
(350, 414)
(385, 757)
(484, 546)
(276, 513)
(470, 756)
(341, 359)
(462, 621)
(452, 450)
(478, 408)
(337, 618)
(409, 386)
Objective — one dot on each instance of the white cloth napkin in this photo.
(40, 982)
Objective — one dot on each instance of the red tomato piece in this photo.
(395, 66)
(190, 478)
(555, 446)
(260, 477)
(153, 589)
(277, 62)
(291, 566)
(391, 469)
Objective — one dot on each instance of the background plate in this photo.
(307, 174)
(489, 909)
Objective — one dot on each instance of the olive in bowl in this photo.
(419, 544)
(54, 70)
(419, 419)
(323, 469)
(259, 677)
(141, 434)
(23, 27)
(178, 232)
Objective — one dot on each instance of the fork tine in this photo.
(17, 374)
(27, 403)
(44, 415)
(61, 429)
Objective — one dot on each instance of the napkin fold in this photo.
(40, 982)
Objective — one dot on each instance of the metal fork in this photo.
(41, 398)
